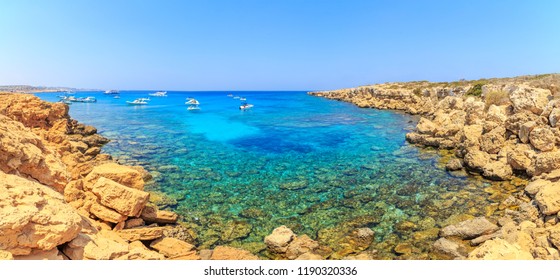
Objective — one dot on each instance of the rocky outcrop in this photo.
(33, 216)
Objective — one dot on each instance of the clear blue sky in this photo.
(272, 45)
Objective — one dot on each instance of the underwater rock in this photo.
(292, 186)
(449, 248)
(454, 164)
(235, 230)
(403, 249)
(470, 229)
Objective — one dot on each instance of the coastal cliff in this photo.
(501, 129)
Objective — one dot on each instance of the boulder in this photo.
(548, 198)
(471, 135)
(454, 164)
(152, 214)
(230, 253)
(499, 249)
(309, 256)
(525, 130)
(476, 159)
(497, 170)
(121, 174)
(545, 163)
(520, 157)
(528, 98)
(127, 201)
(542, 138)
(535, 186)
(301, 245)
(426, 126)
(172, 247)
(493, 141)
(53, 254)
(95, 247)
(105, 213)
(278, 241)
(33, 216)
(469, 229)
(449, 248)
(554, 117)
(141, 233)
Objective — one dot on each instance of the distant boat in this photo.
(192, 101)
(236, 97)
(112, 91)
(139, 101)
(245, 106)
(159, 94)
(242, 99)
(193, 108)
(117, 97)
(230, 95)
(88, 99)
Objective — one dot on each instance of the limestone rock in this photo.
(525, 130)
(134, 222)
(471, 135)
(151, 214)
(450, 248)
(493, 141)
(309, 256)
(230, 253)
(520, 157)
(454, 164)
(527, 98)
(53, 254)
(426, 126)
(554, 117)
(545, 163)
(542, 138)
(24, 153)
(172, 247)
(5, 255)
(106, 214)
(469, 229)
(476, 159)
(535, 186)
(548, 198)
(499, 249)
(141, 233)
(279, 239)
(94, 247)
(497, 170)
(125, 200)
(33, 216)
(301, 245)
(121, 174)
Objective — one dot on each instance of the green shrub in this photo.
(497, 98)
(476, 89)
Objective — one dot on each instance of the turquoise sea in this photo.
(318, 166)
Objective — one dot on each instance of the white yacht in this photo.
(245, 106)
(112, 91)
(139, 101)
(159, 94)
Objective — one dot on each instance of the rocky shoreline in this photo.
(501, 129)
(62, 199)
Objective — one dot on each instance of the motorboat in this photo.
(230, 95)
(159, 94)
(192, 101)
(242, 99)
(193, 108)
(236, 97)
(112, 91)
(89, 99)
(139, 101)
(117, 97)
(245, 106)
